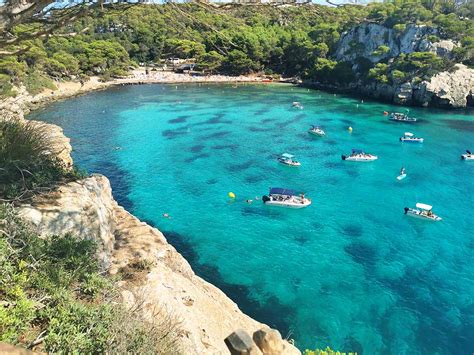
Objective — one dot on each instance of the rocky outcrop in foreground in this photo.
(157, 272)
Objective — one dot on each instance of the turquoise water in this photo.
(350, 271)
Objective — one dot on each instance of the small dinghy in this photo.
(410, 138)
(287, 159)
(359, 156)
(467, 156)
(285, 198)
(401, 177)
(422, 211)
(317, 131)
(401, 117)
(297, 105)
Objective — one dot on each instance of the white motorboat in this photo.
(410, 138)
(401, 117)
(467, 156)
(359, 156)
(285, 198)
(287, 159)
(422, 211)
(297, 105)
(317, 131)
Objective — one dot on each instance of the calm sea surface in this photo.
(351, 271)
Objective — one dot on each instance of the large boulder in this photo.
(451, 89)
(240, 343)
(270, 342)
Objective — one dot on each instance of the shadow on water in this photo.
(119, 181)
(271, 311)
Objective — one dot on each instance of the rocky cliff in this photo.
(376, 43)
(209, 322)
(367, 39)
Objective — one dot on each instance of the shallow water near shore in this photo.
(351, 271)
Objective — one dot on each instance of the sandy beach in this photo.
(23, 102)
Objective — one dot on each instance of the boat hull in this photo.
(359, 160)
(417, 214)
(319, 134)
(467, 157)
(401, 177)
(287, 205)
(408, 140)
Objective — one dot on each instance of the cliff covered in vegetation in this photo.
(389, 50)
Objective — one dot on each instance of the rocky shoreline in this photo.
(446, 90)
(209, 321)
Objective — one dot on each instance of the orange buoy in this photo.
(385, 113)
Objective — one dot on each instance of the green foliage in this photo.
(27, 164)
(381, 51)
(52, 291)
(210, 62)
(35, 82)
(233, 40)
(237, 62)
(379, 73)
(6, 87)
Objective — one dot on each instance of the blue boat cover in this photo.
(281, 191)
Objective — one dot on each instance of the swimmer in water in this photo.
(166, 215)
(249, 201)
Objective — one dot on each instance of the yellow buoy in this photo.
(350, 129)
(231, 195)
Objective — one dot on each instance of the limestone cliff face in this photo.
(87, 210)
(374, 42)
(365, 39)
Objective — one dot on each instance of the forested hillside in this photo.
(291, 41)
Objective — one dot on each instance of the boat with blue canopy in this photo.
(285, 198)
(287, 159)
(359, 156)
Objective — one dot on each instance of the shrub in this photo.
(54, 297)
(36, 82)
(27, 165)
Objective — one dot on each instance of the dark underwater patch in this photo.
(216, 135)
(267, 120)
(329, 142)
(270, 311)
(352, 230)
(196, 148)
(352, 173)
(173, 133)
(295, 119)
(332, 164)
(235, 168)
(461, 125)
(179, 119)
(212, 181)
(224, 146)
(252, 179)
(196, 157)
(362, 253)
(260, 129)
(119, 181)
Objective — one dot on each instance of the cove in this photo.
(351, 271)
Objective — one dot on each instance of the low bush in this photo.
(26, 163)
(53, 298)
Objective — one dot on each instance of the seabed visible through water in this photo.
(351, 271)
